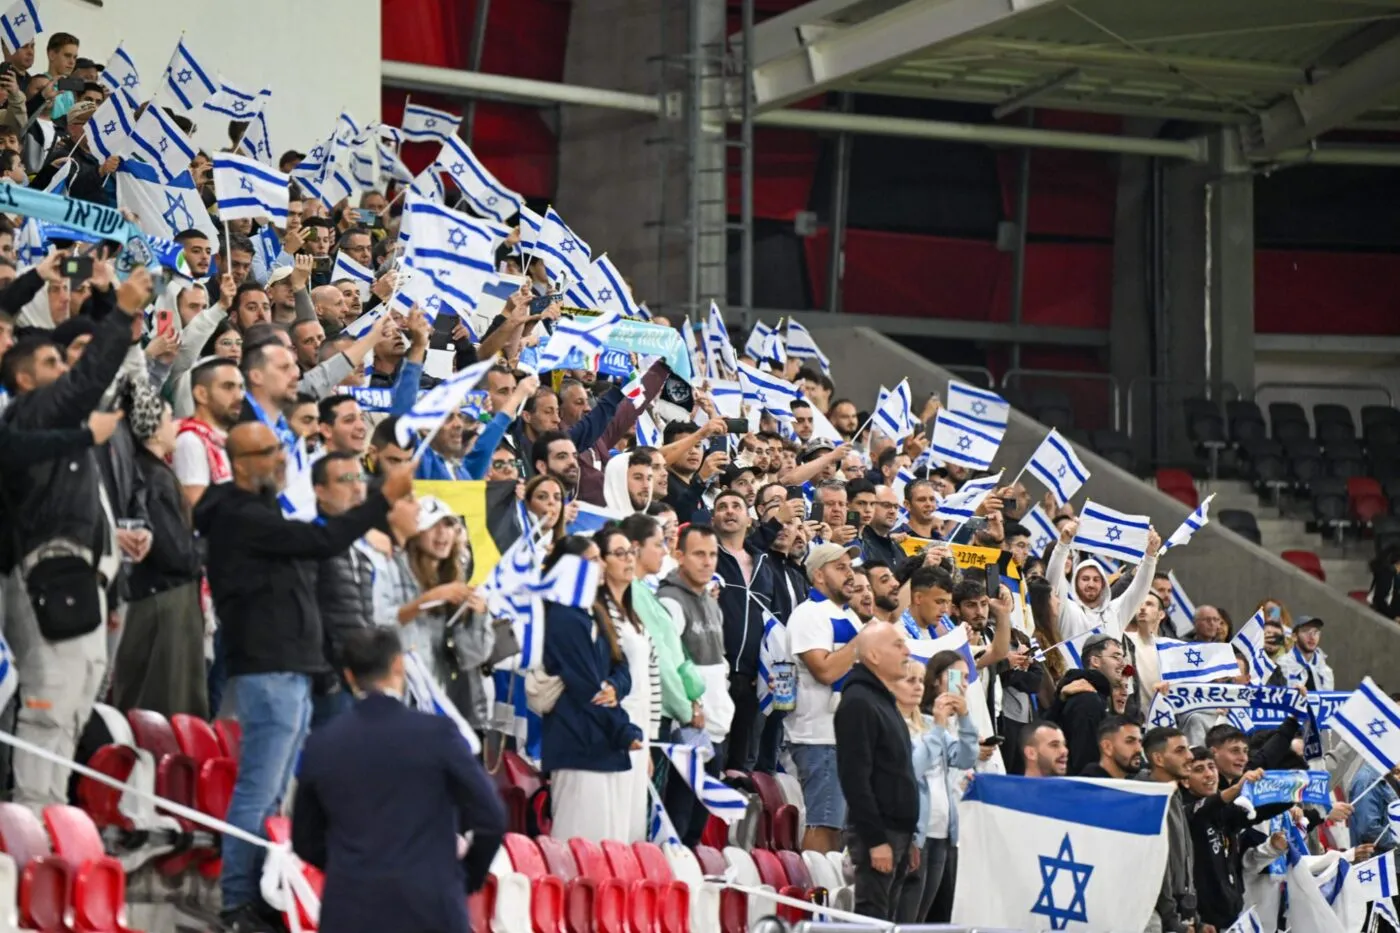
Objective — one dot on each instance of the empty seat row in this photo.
(58, 874)
(1244, 421)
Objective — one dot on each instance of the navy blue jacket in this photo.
(743, 607)
(578, 734)
(584, 433)
(382, 793)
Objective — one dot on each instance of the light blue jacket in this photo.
(1369, 820)
(937, 754)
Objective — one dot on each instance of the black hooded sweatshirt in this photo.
(1218, 868)
(1079, 717)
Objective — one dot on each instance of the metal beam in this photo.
(829, 56)
(1327, 344)
(982, 331)
(1033, 93)
(1316, 108)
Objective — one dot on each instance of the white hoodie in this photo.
(615, 495)
(1113, 615)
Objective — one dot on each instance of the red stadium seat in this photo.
(640, 907)
(779, 825)
(481, 906)
(196, 738)
(1365, 499)
(230, 735)
(100, 801)
(673, 904)
(520, 774)
(99, 883)
(546, 891)
(1307, 562)
(176, 774)
(1360, 596)
(1179, 485)
(212, 796)
(716, 833)
(580, 893)
(46, 880)
(771, 872)
(733, 905)
(279, 829)
(799, 875)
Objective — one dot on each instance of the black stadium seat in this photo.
(1344, 459)
(1384, 461)
(1265, 463)
(1387, 531)
(1205, 426)
(1379, 414)
(1052, 408)
(1330, 504)
(1304, 459)
(1114, 447)
(1334, 423)
(1241, 523)
(1245, 420)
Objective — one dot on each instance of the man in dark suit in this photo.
(383, 795)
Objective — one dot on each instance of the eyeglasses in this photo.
(623, 553)
(503, 465)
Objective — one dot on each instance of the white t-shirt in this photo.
(809, 626)
(190, 460)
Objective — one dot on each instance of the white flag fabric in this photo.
(1323, 896)
(770, 393)
(607, 286)
(563, 251)
(801, 345)
(1369, 721)
(1054, 463)
(1059, 853)
(160, 141)
(424, 124)
(109, 130)
(186, 79)
(1249, 641)
(529, 224)
(1113, 534)
(364, 323)
(423, 694)
(247, 188)
(660, 830)
(773, 651)
(718, 347)
(9, 674)
(432, 407)
(1042, 529)
(255, 140)
(453, 249)
(1376, 877)
(756, 347)
(1072, 650)
(572, 581)
(1188, 529)
(335, 186)
(718, 797)
(585, 334)
(923, 649)
(121, 74)
(894, 414)
(962, 442)
(1248, 922)
(961, 505)
(1189, 660)
(648, 434)
(980, 405)
(236, 103)
(20, 24)
(162, 210)
(347, 268)
(1180, 610)
(484, 193)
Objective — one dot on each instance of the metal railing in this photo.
(1205, 389)
(1366, 387)
(1114, 392)
(979, 376)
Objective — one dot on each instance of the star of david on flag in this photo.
(608, 286)
(109, 130)
(1184, 660)
(235, 103)
(1055, 464)
(1112, 534)
(160, 141)
(564, 254)
(120, 73)
(247, 188)
(1060, 853)
(980, 405)
(1370, 723)
(1249, 641)
(957, 440)
(20, 24)
(424, 124)
(186, 79)
(483, 192)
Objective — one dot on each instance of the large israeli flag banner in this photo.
(1059, 853)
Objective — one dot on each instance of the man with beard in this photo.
(627, 482)
(1120, 750)
(884, 591)
(554, 453)
(1044, 749)
(1079, 714)
(1169, 758)
(199, 460)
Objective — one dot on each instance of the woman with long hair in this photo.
(643, 704)
(434, 557)
(586, 735)
(1045, 609)
(159, 663)
(544, 500)
(1273, 609)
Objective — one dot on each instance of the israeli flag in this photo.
(564, 252)
(1370, 723)
(1071, 650)
(422, 693)
(347, 268)
(718, 797)
(235, 103)
(364, 168)
(364, 323)
(20, 24)
(423, 124)
(1180, 609)
(162, 209)
(923, 649)
(773, 650)
(109, 130)
(186, 79)
(335, 186)
(965, 443)
(584, 334)
(1054, 463)
(1249, 641)
(453, 249)
(592, 518)
(1194, 522)
(775, 350)
(1392, 811)
(718, 347)
(980, 405)
(1190, 660)
(901, 480)
(391, 167)
(648, 434)
(692, 347)
(1248, 922)
(801, 345)
(609, 290)
(660, 830)
(255, 140)
(247, 188)
(1385, 910)
(767, 391)
(894, 414)
(962, 505)
(1060, 853)
(1112, 534)
(160, 141)
(1042, 529)
(9, 674)
(432, 407)
(572, 581)
(487, 196)
(120, 73)
(428, 186)
(757, 345)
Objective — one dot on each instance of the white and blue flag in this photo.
(980, 405)
(962, 505)
(364, 323)
(1192, 524)
(1042, 529)
(965, 443)
(1059, 853)
(610, 292)
(347, 268)
(255, 140)
(434, 406)
(483, 192)
(109, 130)
(592, 518)
(423, 124)
(564, 252)
(894, 414)
(428, 186)
(422, 693)
(1247, 922)
(718, 347)
(247, 188)
(236, 103)
(120, 74)
(1054, 463)
(1376, 876)
(923, 649)
(660, 830)
(529, 223)
(1249, 641)
(1384, 909)
(1180, 610)
(453, 249)
(1193, 660)
(801, 346)
(163, 209)
(391, 167)
(774, 657)
(333, 187)
(756, 347)
(186, 79)
(768, 392)
(1113, 534)
(160, 141)
(9, 674)
(572, 581)
(648, 434)
(584, 334)
(718, 797)
(20, 24)
(1370, 723)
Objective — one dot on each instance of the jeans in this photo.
(877, 893)
(327, 706)
(275, 712)
(770, 742)
(920, 887)
(217, 676)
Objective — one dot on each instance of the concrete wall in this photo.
(1218, 567)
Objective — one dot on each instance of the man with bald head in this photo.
(261, 569)
(330, 307)
(876, 770)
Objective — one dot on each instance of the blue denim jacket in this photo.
(936, 751)
(1369, 819)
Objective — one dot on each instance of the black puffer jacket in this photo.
(345, 596)
(59, 498)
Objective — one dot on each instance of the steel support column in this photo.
(474, 56)
(840, 202)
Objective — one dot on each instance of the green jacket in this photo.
(680, 684)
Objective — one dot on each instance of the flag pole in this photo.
(228, 250)
(1374, 784)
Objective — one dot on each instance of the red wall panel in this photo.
(1309, 292)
